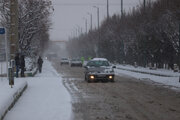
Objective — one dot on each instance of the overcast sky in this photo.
(68, 15)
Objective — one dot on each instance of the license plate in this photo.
(101, 75)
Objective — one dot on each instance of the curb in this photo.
(16, 96)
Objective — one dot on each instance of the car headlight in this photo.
(110, 77)
(92, 77)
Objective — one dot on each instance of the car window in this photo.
(64, 59)
(76, 60)
(98, 63)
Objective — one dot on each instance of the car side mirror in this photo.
(85, 67)
(114, 67)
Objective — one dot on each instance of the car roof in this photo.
(100, 59)
(75, 59)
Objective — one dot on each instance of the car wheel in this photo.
(88, 81)
(112, 81)
(85, 78)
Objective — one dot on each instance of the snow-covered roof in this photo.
(102, 59)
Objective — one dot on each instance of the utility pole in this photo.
(97, 15)
(121, 8)
(107, 8)
(90, 19)
(179, 48)
(85, 24)
(14, 40)
(144, 5)
(96, 46)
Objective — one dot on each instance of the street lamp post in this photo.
(121, 8)
(107, 8)
(96, 46)
(97, 15)
(85, 24)
(144, 5)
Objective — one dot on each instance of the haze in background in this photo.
(69, 15)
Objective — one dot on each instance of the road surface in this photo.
(126, 99)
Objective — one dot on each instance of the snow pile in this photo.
(3, 68)
(172, 82)
(45, 99)
(159, 72)
(8, 95)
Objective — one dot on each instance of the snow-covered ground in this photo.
(147, 70)
(2, 68)
(8, 94)
(45, 98)
(172, 82)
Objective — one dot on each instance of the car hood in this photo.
(100, 69)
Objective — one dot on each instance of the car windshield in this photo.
(98, 63)
(64, 59)
(76, 60)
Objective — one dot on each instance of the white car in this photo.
(99, 69)
(76, 62)
(64, 61)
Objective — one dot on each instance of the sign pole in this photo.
(3, 33)
(6, 44)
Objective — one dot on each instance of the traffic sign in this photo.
(2, 31)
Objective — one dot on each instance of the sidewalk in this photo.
(45, 98)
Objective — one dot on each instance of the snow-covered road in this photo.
(45, 98)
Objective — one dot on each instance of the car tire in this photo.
(85, 78)
(89, 81)
(112, 81)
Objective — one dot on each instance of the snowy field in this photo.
(172, 82)
(45, 98)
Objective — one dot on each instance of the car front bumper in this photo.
(101, 77)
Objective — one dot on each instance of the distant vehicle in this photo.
(76, 62)
(64, 61)
(99, 69)
(51, 56)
